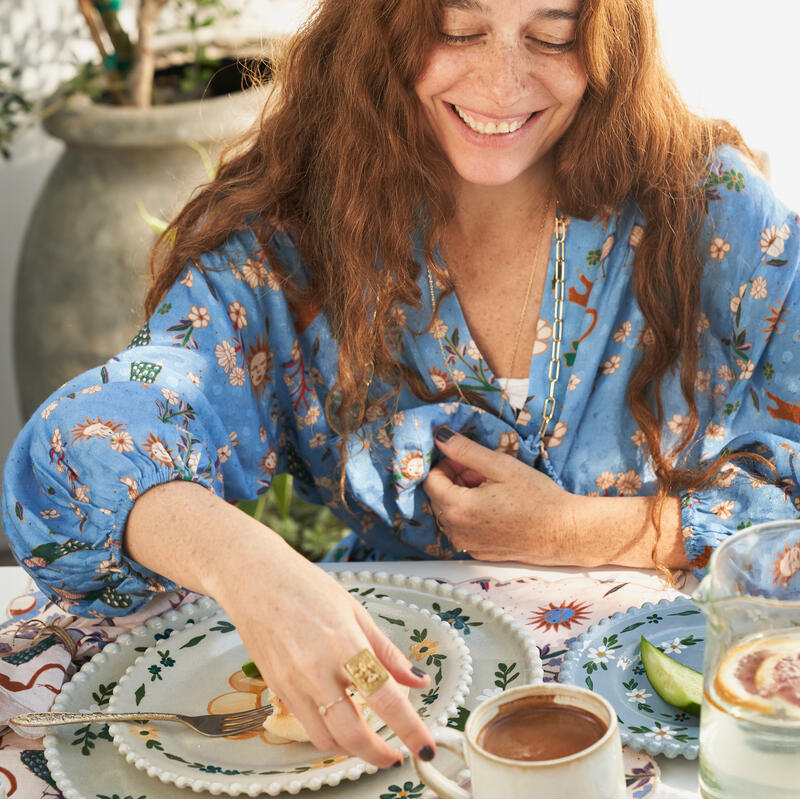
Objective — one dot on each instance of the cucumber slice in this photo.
(251, 670)
(676, 684)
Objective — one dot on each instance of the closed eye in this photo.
(449, 38)
(553, 47)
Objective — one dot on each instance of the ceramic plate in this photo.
(606, 658)
(198, 671)
(84, 762)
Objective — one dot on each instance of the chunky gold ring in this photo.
(366, 672)
(323, 709)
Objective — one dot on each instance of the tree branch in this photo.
(141, 76)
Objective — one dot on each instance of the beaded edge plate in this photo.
(186, 671)
(506, 653)
(606, 658)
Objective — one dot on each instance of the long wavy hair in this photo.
(343, 156)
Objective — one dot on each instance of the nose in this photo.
(505, 75)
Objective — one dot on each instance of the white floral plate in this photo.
(607, 659)
(197, 671)
(84, 762)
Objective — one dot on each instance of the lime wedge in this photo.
(251, 670)
(676, 684)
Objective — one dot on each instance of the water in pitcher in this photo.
(750, 723)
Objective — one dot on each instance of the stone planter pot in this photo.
(83, 266)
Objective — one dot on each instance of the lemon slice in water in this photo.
(762, 675)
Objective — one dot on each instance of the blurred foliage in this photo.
(310, 529)
(107, 80)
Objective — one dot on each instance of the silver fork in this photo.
(206, 724)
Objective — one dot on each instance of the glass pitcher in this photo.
(750, 718)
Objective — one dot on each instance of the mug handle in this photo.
(453, 741)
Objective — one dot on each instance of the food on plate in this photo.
(762, 675)
(250, 669)
(284, 725)
(675, 683)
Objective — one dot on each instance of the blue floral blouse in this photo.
(226, 384)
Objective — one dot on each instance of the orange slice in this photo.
(762, 675)
(243, 683)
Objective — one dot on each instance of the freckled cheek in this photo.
(445, 72)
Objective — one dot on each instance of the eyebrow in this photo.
(542, 14)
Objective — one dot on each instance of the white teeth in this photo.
(489, 128)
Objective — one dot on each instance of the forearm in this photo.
(184, 532)
(621, 530)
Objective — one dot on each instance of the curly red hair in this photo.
(343, 156)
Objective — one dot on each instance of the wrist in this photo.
(196, 539)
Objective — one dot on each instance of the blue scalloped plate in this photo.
(606, 659)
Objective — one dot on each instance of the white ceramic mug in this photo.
(596, 771)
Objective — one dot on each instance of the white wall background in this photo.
(740, 60)
(731, 58)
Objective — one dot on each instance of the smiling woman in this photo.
(494, 125)
(442, 201)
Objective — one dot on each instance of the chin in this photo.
(483, 175)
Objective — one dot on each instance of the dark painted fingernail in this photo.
(444, 434)
(420, 673)
(426, 754)
(397, 764)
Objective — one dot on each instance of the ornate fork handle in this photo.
(45, 718)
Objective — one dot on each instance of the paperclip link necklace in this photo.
(554, 368)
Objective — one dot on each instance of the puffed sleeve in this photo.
(192, 398)
(748, 380)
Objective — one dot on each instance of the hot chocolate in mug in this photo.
(542, 740)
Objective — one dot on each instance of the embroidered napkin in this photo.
(41, 646)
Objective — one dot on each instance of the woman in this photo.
(482, 284)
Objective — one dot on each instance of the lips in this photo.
(491, 127)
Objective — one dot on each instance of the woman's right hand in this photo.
(298, 624)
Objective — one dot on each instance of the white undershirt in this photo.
(516, 390)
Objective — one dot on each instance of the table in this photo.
(679, 776)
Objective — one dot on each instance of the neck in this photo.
(503, 211)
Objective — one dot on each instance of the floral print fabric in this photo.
(226, 384)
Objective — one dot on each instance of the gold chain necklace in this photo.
(554, 368)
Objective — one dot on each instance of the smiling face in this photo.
(502, 85)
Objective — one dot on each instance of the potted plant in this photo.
(142, 125)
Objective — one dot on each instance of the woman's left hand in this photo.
(497, 508)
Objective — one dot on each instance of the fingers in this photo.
(461, 475)
(495, 466)
(441, 486)
(304, 709)
(392, 705)
(390, 655)
(354, 735)
(390, 702)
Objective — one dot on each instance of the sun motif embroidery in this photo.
(157, 450)
(553, 616)
(441, 380)
(786, 566)
(96, 429)
(259, 364)
(410, 468)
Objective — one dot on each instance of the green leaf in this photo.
(223, 626)
(391, 621)
(632, 627)
(193, 642)
(139, 694)
(282, 486)
(589, 683)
